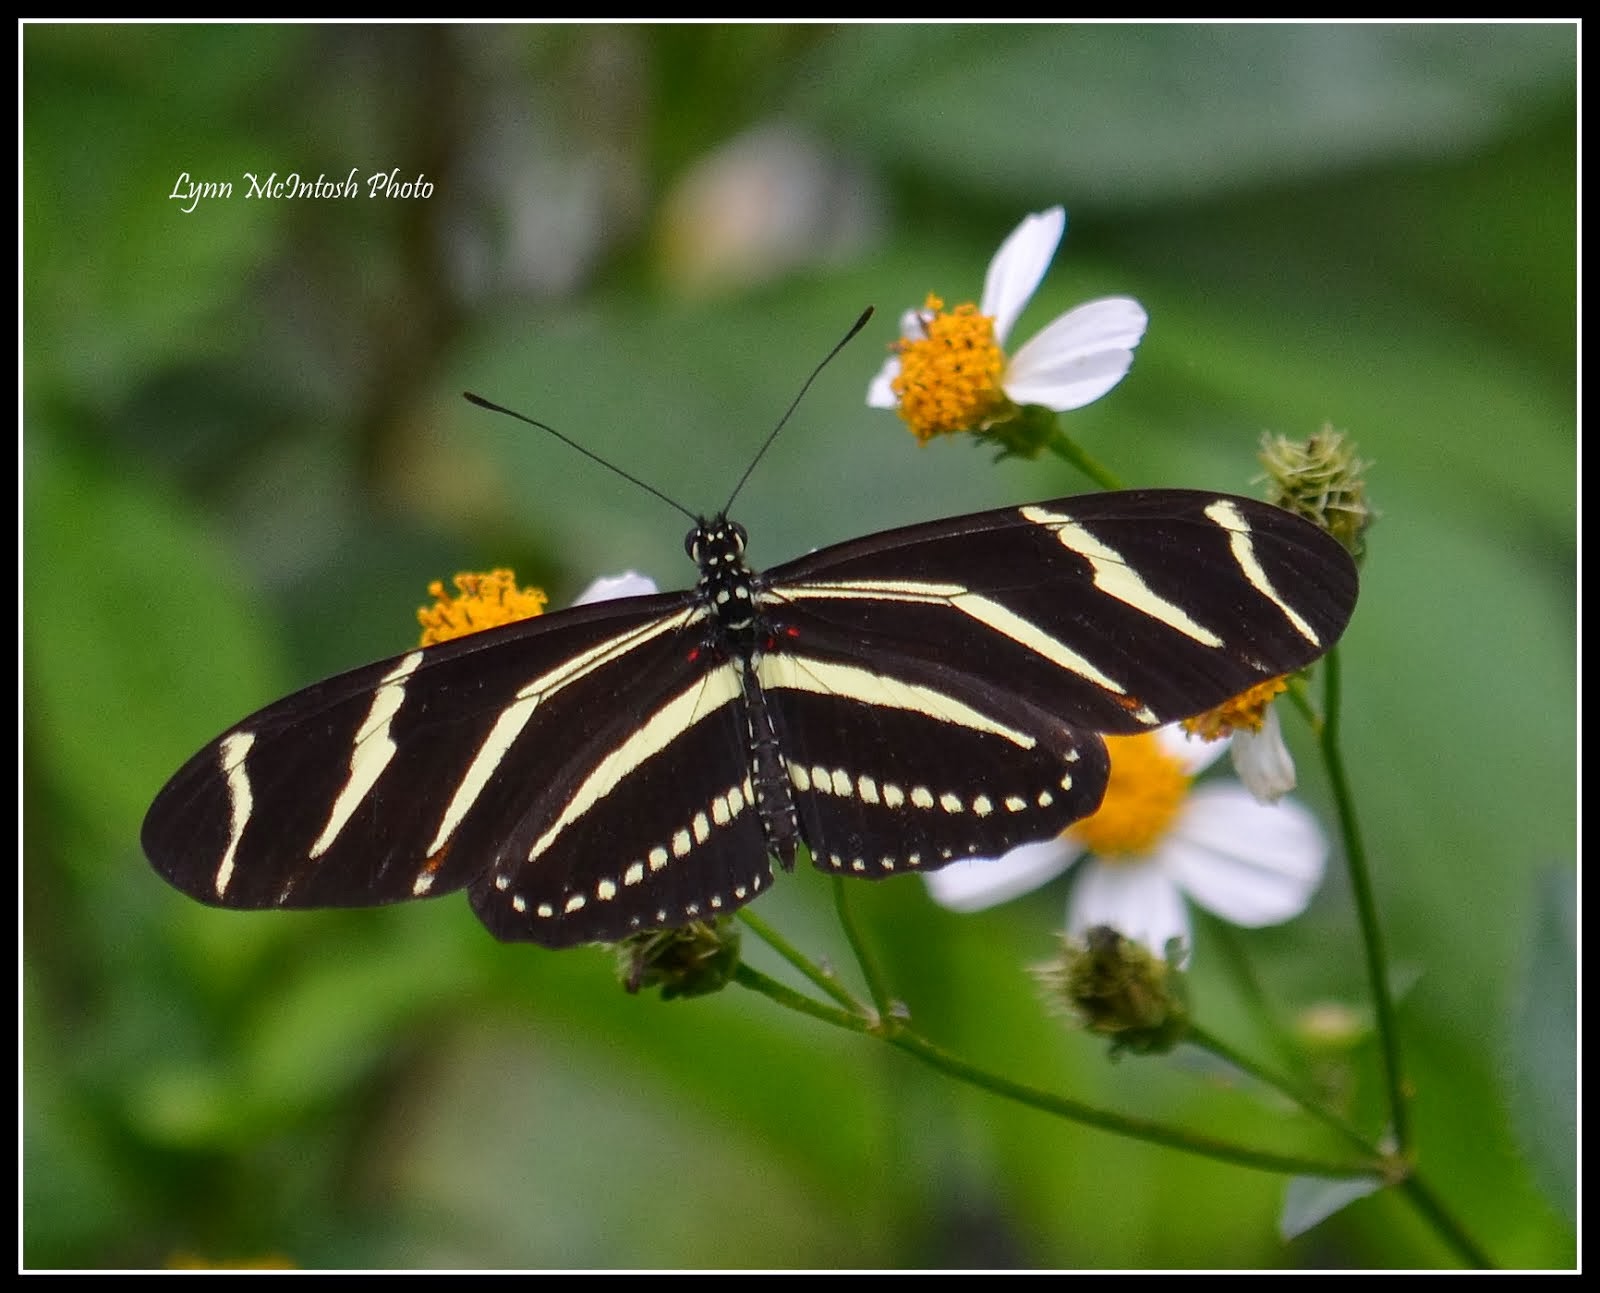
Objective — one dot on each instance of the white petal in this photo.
(610, 587)
(1079, 357)
(1252, 864)
(914, 325)
(979, 883)
(1137, 899)
(880, 395)
(1263, 761)
(1018, 268)
(1195, 753)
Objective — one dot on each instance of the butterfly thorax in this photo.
(726, 584)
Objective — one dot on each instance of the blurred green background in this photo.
(245, 455)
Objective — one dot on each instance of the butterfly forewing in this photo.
(1115, 612)
(409, 778)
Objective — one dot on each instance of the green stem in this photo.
(1205, 1041)
(1397, 1170)
(1300, 698)
(783, 995)
(870, 971)
(1136, 1128)
(828, 982)
(1248, 984)
(897, 1034)
(1366, 905)
(1444, 1225)
(1063, 446)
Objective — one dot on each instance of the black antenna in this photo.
(587, 453)
(773, 435)
(651, 489)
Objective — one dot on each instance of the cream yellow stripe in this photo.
(370, 753)
(826, 677)
(693, 705)
(985, 610)
(1116, 578)
(240, 803)
(1228, 516)
(508, 727)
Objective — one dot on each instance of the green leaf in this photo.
(136, 635)
(1541, 1072)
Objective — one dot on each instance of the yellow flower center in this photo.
(1146, 789)
(950, 376)
(481, 602)
(1247, 711)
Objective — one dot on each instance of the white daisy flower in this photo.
(950, 371)
(609, 587)
(1155, 842)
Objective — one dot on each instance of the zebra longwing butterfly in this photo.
(893, 703)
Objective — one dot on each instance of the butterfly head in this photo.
(717, 544)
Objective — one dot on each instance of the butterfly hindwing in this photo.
(656, 823)
(900, 773)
